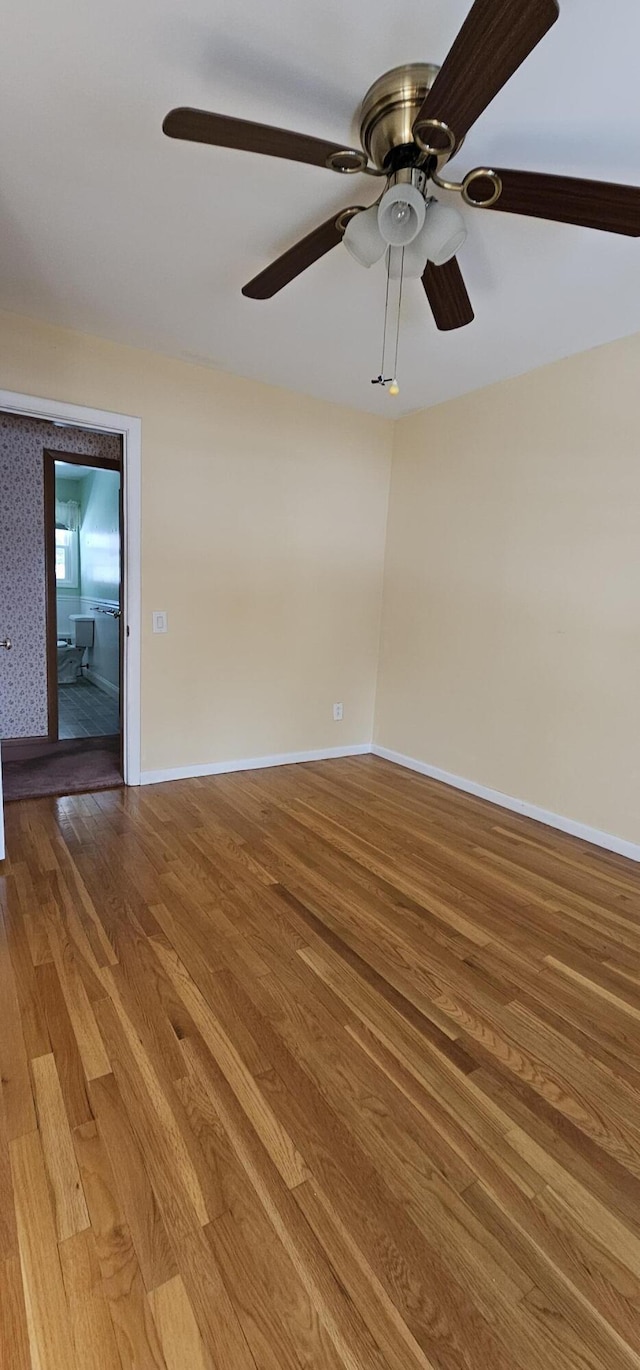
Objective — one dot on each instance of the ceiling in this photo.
(109, 227)
(69, 471)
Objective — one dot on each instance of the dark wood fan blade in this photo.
(198, 126)
(494, 40)
(565, 199)
(447, 295)
(298, 258)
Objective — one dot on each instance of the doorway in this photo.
(62, 571)
(129, 430)
(84, 538)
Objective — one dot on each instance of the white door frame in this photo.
(130, 429)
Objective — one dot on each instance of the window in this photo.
(66, 558)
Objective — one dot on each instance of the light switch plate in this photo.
(159, 617)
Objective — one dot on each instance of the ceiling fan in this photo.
(413, 120)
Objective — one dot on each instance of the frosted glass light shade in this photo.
(443, 234)
(401, 214)
(440, 237)
(362, 237)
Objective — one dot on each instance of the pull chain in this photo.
(381, 379)
(386, 311)
(394, 387)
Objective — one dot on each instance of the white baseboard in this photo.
(620, 845)
(254, 763)
(609, 841)
(101, 684)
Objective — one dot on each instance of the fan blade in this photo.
(198, 126)
(565, 199)
(494, 40)
(447, 295)
(299, 257)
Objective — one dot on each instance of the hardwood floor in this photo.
(327, 1067)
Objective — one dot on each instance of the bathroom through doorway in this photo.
(83, 552)
(62, 573)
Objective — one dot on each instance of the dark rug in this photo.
(75, 766)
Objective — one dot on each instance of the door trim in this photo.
(130, 429)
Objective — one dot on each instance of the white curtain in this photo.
(68, 515)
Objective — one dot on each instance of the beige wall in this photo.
(511, 623)
(263, 537)
(510, 649)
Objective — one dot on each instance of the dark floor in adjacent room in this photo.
(86, 711)
(70, 766)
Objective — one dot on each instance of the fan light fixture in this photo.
(362, 237)
(443, 234)
(440, 237)
(401, 215)
(397, 220)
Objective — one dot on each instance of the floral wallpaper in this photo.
(23, 670)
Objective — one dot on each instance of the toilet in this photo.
(70, 654)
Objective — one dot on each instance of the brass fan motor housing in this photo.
(389, 110)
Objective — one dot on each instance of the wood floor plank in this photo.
(129, 1309)
(212, 1306)
(399, 1346)
(19, 1111)
(70, 1209)
(341, 1067)
(91, 1326)
(36, 934)
(274, 1309)
(563, 1263)
(160, 1015)
(64, 1044)
(14, 1334)
(34, 1027)
(137, 1197)
(347, 1330)
(290, 1164)
(46, 1304)
(177, 1328)
(228, 1176)
(8, 1229)
(66, 901)
(89, 1042)
(435, 1306)
(134, 991)
(85, 915)
(156, 1116)
(557, 1141)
